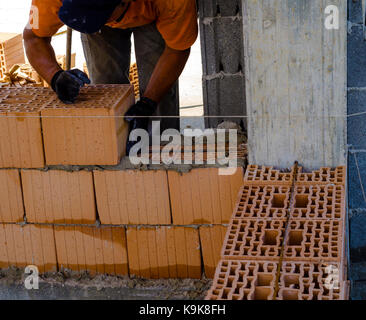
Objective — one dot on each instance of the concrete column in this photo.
(295, 70)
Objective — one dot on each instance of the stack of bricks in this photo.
(11, 51)
(67, 202)
(221, 26)
(286, 239)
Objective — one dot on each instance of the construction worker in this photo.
(164, 31)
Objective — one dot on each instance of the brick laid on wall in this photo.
(57, 196)
(90, 132)
(202, 196)
(11, 201)
(28, 245)
(96, 250)
(212, 239)
(132, 197)
(164, 252)
(21, 144)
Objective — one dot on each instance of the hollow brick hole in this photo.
(295, 238)
(261, 293)
(264, 280)
(270, 238)
(278, 201)
(290, 295)
(301, 201)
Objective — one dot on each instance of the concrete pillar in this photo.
(295, 70)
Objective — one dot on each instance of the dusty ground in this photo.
(84, 287)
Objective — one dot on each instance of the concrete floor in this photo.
(63, 286)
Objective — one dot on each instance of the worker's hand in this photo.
(138, 117)
(143, 108)
(67, 84)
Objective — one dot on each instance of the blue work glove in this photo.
(138, 117)
(67, 84)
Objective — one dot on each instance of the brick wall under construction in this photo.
(68, 202)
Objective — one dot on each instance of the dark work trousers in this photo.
(108, 57)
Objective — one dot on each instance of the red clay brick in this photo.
(11, 51)
(132, 197)
(244, 280)
(212, 239)
(57, 196)
(314, 240)
(335, 176)
(262, 202)
(96, 250)
(307, 281)
(164, 252)
(28, 245)
(202, 196)
(86, 133)
(261, 175)
(253, 239)
(319, 202)
(11, 201)
(256, 280)
(21, 144)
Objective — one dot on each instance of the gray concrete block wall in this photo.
(356, 62)
(221, 28)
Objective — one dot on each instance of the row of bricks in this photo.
(149, 252)
(37, 129)
(309, 240)
(268, 175)
(256, 280)
(273, 202)
(201, 196)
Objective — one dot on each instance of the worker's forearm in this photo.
(166, 73)
(41, 55)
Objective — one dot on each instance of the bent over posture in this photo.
(164, 31)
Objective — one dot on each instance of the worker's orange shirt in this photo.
(176, 20)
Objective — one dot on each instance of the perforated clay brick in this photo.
(132, 197)
(263, 202)
(21, 144)
(244, 280)
(314, 240)
(256, 280)
(11, 201)
(307, 281)
(254, 239)
(29, 245)
(11, 51)
(335, 176)
(267, 175)
(202, 196)
(164, 252)
(319, 202)
(212, 239)
(57, 196)
(96, 250)
(91, 131)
